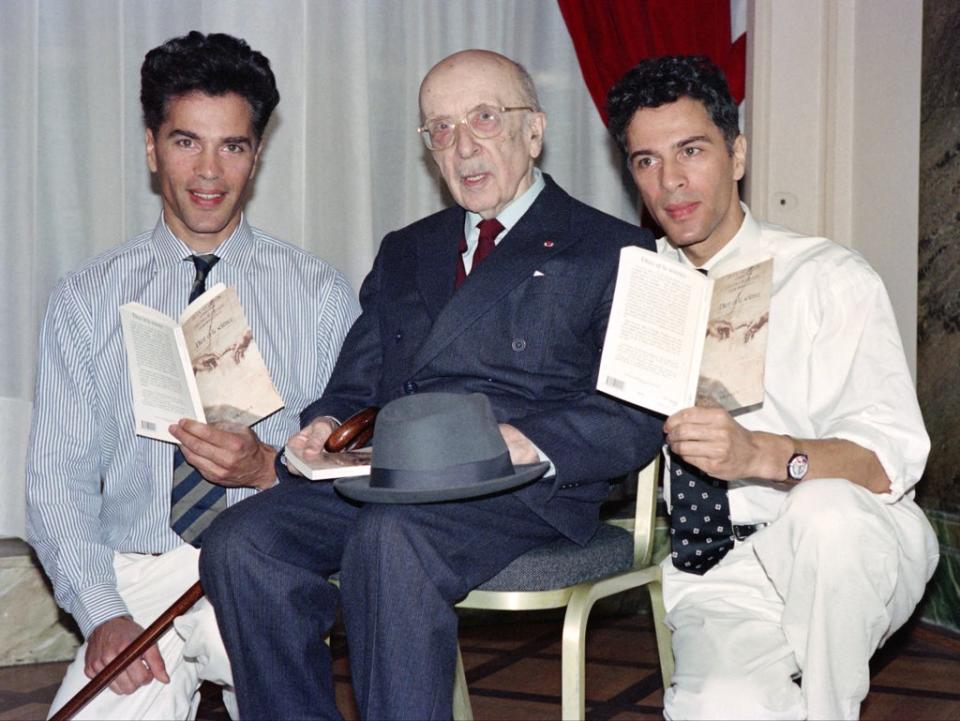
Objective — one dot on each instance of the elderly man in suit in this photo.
(505, 294)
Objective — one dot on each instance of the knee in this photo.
(203, 644)
(834, 510)
(216, 542)
(841, 529)
(226, 540)
(733, 697)
(383, 530)
(389, 547)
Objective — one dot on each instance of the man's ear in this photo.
(256, 160)
(150, 143)
(739, 157)
(536, 126)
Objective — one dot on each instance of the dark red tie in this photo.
(489, 230)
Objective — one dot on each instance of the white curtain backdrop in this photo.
(342, 164)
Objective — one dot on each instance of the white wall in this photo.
(834, 122)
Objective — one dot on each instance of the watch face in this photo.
(797, 467)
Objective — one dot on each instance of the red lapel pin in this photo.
(548, 244)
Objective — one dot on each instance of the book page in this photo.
(735, 348)
(655, 334)
(163, 389)
(329, 466)
(233, 380)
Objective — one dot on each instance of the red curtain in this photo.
(611, 36)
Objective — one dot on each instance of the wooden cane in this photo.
(136, 648)
(353, 433)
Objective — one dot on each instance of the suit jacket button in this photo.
(519, 344)
(409, 388)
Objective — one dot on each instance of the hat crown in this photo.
(435, 447)
(434, 431)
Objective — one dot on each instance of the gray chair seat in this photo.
(565, 563)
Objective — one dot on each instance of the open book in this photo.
(206, 367)
(678, 338)
(331, 465)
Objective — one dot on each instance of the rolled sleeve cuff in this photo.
(97, 605)
(903, 456)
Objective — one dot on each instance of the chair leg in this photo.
(664, 637)
(573, 653)
(462, 710)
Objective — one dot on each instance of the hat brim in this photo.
(359, 488)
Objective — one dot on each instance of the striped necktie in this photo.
(195, 502)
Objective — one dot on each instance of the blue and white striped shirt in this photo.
(93, 486)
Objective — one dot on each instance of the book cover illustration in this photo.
(735, 346)
(226, 362)
(206, 367)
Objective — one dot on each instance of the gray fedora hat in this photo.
(433, 447)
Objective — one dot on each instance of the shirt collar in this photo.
(739, 244)
(511, 214)
(235, 250)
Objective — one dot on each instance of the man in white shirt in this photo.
(824, 553)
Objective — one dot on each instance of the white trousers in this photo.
(192, 651)
(816, 592)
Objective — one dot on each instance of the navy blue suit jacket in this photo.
(526, 329)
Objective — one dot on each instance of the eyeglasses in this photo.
(483, 122)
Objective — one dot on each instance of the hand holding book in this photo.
(205, 367)
(323, 450)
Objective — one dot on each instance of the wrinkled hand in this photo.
(228, 454)
(308, 442)
(520, 447)
(711, 440)
(108, 640)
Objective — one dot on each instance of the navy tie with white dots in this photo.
(700, 528)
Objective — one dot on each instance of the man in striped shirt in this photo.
(99, 496)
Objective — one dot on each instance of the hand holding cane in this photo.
(140, 644)
(353, 433)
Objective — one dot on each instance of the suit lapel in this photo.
(436, 262)
(538, 236)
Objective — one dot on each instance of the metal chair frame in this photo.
(579, 601)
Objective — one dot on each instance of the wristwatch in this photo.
(798, 464)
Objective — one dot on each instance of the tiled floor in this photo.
(513, 670)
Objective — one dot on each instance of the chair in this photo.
(563, 574)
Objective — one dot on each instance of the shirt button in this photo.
(409, 388)
(518, 345)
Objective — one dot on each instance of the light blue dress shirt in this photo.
(93, 486)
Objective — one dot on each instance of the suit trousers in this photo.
(816, 592)
(192, 652)
(265, 565)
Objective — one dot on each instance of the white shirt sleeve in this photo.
(860, 388)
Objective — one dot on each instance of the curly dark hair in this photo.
(214, 64)
(659, 81)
